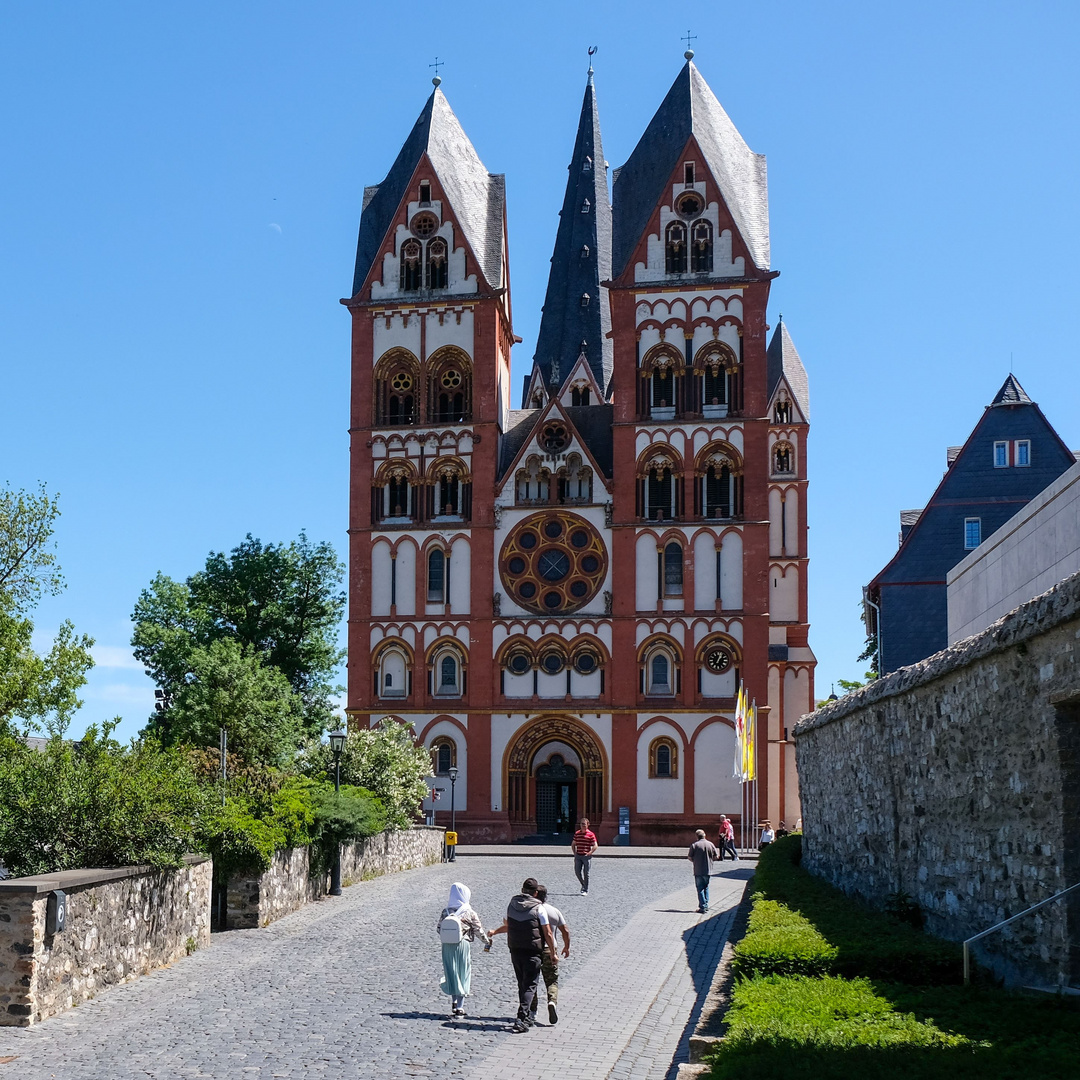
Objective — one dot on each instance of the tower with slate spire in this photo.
(563, 599)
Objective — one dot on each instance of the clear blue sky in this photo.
(178, 212)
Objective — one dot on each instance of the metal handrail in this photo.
(1005, 922)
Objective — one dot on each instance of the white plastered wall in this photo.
(716, 791)
(659, 796)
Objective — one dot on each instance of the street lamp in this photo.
(452, 773)
(337, 744)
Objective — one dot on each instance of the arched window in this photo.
(448, 675)
(533, 482)
(783, 458)
(396, 385)
(663, 759)
(393, 674)
(393, 496)
(443, 755)
(717, 377)
(675, 248)
(661, 383)
(580, 395)
(701, 247)
(720, 484)
(659, 489)
(449, 491)
(575, 481)
(437, 264)
(782, 412)
(450, 387)
(673, 570)
(412, 274)
(436, 576)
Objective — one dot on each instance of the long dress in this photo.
(457, 958)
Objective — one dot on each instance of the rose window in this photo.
(401, 381)
(451, 378)
(553, 563)
(424, 224)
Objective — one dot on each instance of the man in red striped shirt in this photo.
(584, 846)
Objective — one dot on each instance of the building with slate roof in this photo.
(564, 598)
(1010, 457)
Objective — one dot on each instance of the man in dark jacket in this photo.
(527, 932)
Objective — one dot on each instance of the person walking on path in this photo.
(584, 846)
(527, 935)
(457, 928)
(727, 839)
(702, 853)
(549, 963)
(767, 835)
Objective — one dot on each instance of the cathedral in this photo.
(564, 598)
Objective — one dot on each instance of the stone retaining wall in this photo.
(287, 884)
(121, 924)
(957, 781)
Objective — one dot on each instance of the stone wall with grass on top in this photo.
(956, 781)
(288, 883)
(121, 923)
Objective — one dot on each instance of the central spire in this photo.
(576, 317)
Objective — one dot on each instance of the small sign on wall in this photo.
(56, 912)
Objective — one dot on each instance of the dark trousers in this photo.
(582, 863)
(727, 847)
(527, 970)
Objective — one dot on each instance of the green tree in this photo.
(283, 602)
(385, 760)
(229, 687)
(40, 690)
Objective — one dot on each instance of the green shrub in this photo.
(95, 803)
(782, 942)
(868, 942)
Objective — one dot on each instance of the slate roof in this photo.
(782, 358)
(690, 108)
(566, 327)
(1011, 393)
(477, 197)
(593, 423)
(518, 429)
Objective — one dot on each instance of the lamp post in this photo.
(337, 744)
(452, 773)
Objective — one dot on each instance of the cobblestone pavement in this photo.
(349, 988)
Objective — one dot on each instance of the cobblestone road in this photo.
(349, 988)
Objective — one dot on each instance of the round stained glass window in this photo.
(585, 663)
(424, 224)
(559, 573)
(518, 663)
(552, 663)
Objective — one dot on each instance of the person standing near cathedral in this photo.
(549, 963)
(585, 844)
(457, 928)
(701, 854)
(727, 839)
(528, 935)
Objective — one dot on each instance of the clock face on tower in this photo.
(553, 562)
(718, 660)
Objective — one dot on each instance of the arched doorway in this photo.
(531, 775)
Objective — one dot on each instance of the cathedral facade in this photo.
(564, 598)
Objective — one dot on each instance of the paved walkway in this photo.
(348, 988)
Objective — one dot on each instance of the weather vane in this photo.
(438, 64)
(689, 54)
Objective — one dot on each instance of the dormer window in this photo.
(586, 206)
(579, 395)
(586, 165)
(585, 251)
(688, 174)
(585, 298)
(425, 192)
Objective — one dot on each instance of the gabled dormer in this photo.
(579, 387)
(436, 225)
(789, 387)
(691, 203)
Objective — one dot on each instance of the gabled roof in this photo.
(582, 259)
(782, 360)
(690, 109)
(477, 198)
(581, 369)
(1011, 393)
(591, 424)
(518, 429)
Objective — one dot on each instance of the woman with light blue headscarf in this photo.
(457, 928)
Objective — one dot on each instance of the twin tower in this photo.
(563, 598)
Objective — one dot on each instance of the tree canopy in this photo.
(278, 606)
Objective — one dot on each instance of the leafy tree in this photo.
(95, 803)
(229, 687)
(39, 690)
(387, 761)
(282, 602)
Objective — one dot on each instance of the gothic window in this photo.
(446, 673)
(663, 759)
(436, 264)
(393, 495)
(436, 576)
(661, 383)
(580, 395)
(443, 755)
(393, 678)
(701, 247)
(411, 270)
(659, 671)
(673, 570)
(575, 481)
(555, 437)
(396, 385)
(658, 498)
(717, 375)
(782, 412)
(783, 458)
(450, 387)
(675, 248)
(533, 482)
(720, 484)
(424, 224)
(689, 205)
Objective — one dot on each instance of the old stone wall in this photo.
(957, 781)
(257, 900)
(120, 924)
